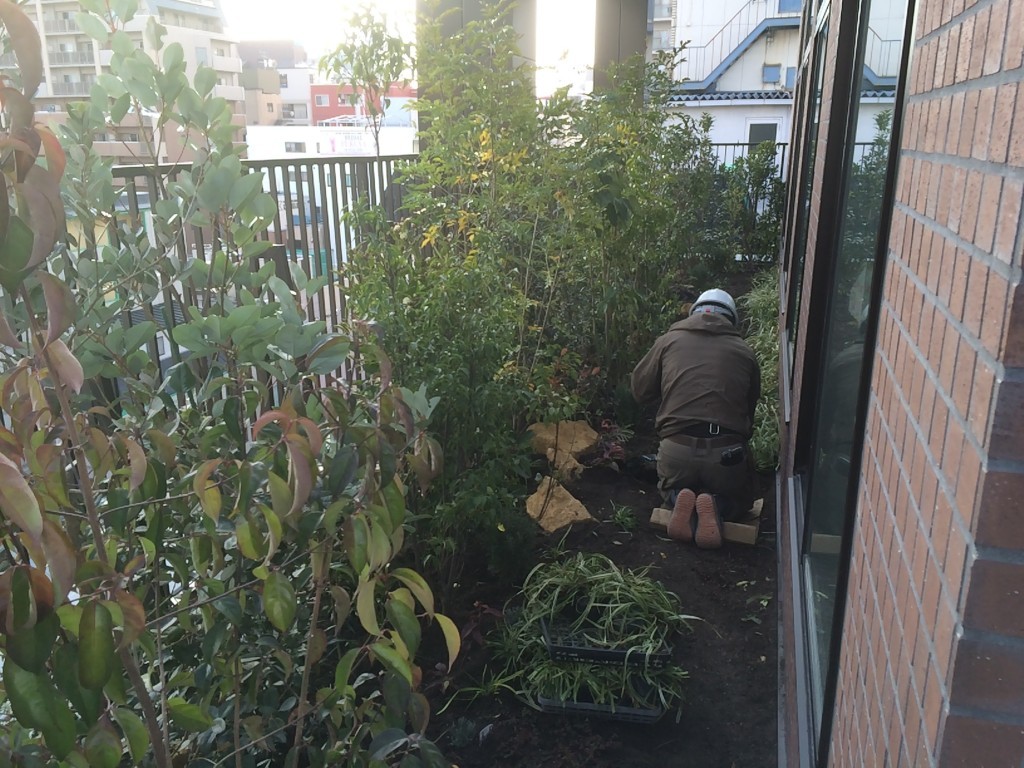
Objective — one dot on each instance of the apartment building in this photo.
(72, 61)
(277, 76)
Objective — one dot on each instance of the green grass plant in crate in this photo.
(588, 636)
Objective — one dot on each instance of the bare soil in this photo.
(730, 701)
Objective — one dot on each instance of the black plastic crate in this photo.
(566, 645)
(607, 711)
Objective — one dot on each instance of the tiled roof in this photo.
(680, 97)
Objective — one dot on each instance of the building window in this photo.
(790, 6)
(312, 79)
(295, 146)
(283, 80)
(662, 10)
(323, 100)
(202, 55)
(219, 52)
(771, 73)
(758, 133)
(270, 107)
(790, 78)
(663, 40)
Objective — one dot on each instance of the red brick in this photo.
(988, 211)
(1012, 348)
(958, 184)
(934, 703)
(955, 561)
(981, 401)
(983, 122)
(944, 639)
(995, 602)
(994, 42)
(981, 31)
(1008, 422)
(977, 285)
(958, 296)
(999, 511)
(1009, 221)
(949, 75)
(989, 677)
(972, 198)
(997, 294)
(967, 484)
(1013, 49)
(963, 376)
(968, 126)
(1002, 120)
(963, 56)
(971, 743)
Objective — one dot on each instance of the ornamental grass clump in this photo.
(760, 308)
(614, 633)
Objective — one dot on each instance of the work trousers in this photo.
(697, 465)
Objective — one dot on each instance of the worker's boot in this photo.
(680, 525)
(708, 533)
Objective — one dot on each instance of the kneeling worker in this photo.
(708, 381)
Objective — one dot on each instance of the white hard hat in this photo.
(718, 301)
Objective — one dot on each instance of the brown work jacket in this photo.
(703, 371)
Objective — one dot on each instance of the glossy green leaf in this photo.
(95, 646)
(134, 731)
(366, 609)
(356, 540)
(28, 693)
(418, 586)
(103, 746)
(15, 251)
(343, 671)
(279, 601)
(207, 490)
(451, 637)
(30, 648)
(88, 704)
(188, 716)
(405, 621)
(342, 606)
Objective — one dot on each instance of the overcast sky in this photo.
(317, 25)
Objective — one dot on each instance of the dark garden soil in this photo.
(729, 711)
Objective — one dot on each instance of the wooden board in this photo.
(741, 532)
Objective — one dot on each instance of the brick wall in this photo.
(932, 666)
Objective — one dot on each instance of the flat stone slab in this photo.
(553, 507)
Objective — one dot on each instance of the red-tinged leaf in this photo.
(7, 337)
(137, 463)
(103, 746)
(56, 160)
(27, 46)
(313, 434)
(17, 501)
(267, 418)
(451, 637)
(64, 366)
(301, 471)
(165, 447)
(5, 210)
(60, 306)
(62, 559)
(45, 212)
(206, 490)
(417, 586)
(134, 615)
(20, 108)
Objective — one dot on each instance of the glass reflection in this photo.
(855, 262)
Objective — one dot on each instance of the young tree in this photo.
(369, 61)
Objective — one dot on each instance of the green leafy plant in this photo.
(607, 609)
(624, 518)
(202, 557)
(760, 310)
(368, 62)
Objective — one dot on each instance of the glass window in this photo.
(804, 182)
(761, 132)
(789, 6)
(836, 443)
(322, 100)
(283, 80)
(771, 73)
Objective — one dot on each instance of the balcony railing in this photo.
(70, 58)
(60, 26)
(70, 89)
